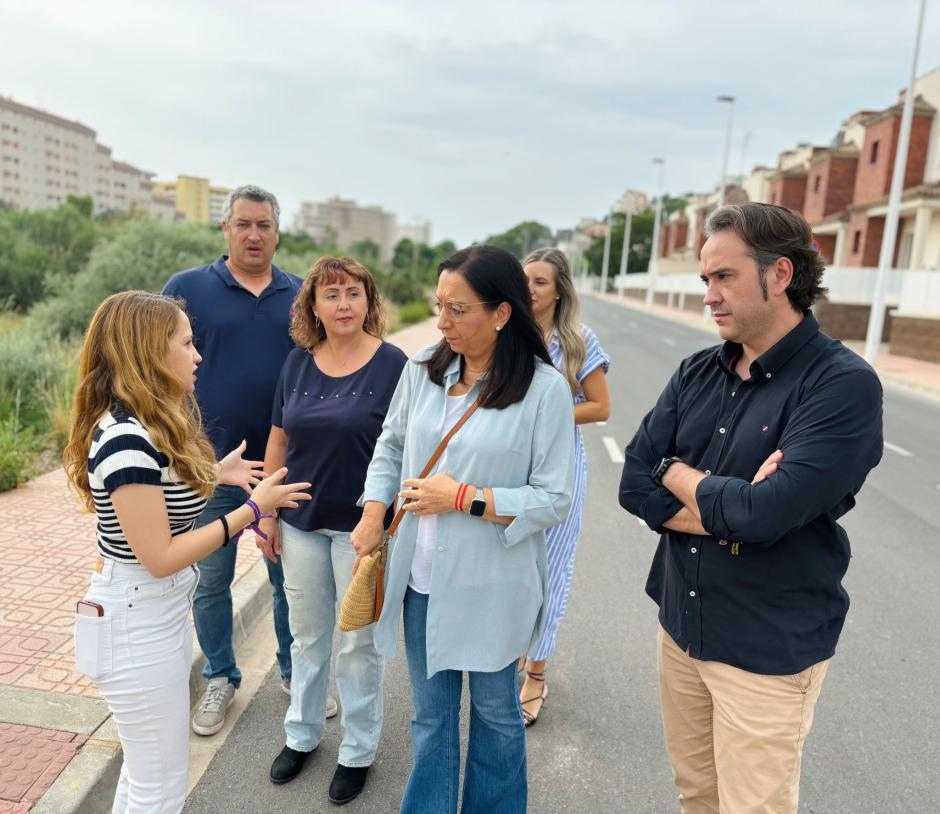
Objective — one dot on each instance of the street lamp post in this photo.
(876, 316)
(606, 265)
(624, 255)
(654, 249)
(724, 163)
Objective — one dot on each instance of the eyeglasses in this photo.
(456, 311)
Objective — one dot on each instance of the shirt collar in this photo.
(452, 374)
(773, 359)
(278, 278)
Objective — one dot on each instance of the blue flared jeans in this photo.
(495, 770)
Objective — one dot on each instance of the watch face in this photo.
(477, 507)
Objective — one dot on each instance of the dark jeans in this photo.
(212, 603)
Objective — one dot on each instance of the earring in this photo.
(316, 322)
(499, 327)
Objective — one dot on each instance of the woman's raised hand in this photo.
(272, 493)
(236, 471)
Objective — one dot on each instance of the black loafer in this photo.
(347, 782)
(287, 765)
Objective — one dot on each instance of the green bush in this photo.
(142, 254)
(413, 312)
(18, 446)
(30, 366)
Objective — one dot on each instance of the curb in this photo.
(87, 784)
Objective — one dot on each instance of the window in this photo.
(856, 241)
(874, 152)
(817, 182)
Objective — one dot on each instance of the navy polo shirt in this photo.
(243, 340)
(332, 424)
(762, 590)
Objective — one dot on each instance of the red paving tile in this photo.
(42, 581)
(30, 761)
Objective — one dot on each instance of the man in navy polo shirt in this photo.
(239, 307)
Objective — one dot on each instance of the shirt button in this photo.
(691, 593)
(733, 392)
(722, 430)
(708, 472)
(767, 376)
(695, 551)
(722, 542)
(440, 548)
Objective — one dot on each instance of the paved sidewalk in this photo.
(59, 751)
(900, 371)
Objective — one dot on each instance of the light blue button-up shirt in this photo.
(488, 581)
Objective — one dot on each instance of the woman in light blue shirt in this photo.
(467, 568)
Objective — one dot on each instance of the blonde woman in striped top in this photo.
(578, 355)
(138, 458)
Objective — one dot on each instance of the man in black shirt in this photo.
(752, 453)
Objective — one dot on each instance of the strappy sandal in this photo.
(528, 718)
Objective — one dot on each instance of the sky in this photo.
(474, 116)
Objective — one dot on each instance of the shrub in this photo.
(17, 447)
(413, 312)
(143, 254)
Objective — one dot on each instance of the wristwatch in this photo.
(660, 469)
(478, 504)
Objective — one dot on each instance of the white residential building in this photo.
(342, 222)
(44, 158)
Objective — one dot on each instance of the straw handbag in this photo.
(362, 604)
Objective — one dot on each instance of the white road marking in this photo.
(601, 423)
(898, 450)
(669, 341)
(614, 451)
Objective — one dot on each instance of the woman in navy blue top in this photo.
(329, 407)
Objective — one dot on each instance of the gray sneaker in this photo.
(331, 708)
(210, 714)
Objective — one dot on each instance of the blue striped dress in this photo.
(563, 539)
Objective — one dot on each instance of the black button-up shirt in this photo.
(763, 591)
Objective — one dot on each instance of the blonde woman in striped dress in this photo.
(578, 355)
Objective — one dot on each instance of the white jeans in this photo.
(317, 571)
(139, 655)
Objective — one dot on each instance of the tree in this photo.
(522, 238)
(142, 254)
(641, 237)
(37, 247)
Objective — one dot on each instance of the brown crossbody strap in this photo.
(434, 459)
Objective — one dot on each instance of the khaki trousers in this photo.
(735, 739)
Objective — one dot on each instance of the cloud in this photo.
(474, 115)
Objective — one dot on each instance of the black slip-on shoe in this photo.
(287, 765)
(347, 782)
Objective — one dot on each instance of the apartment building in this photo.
(44, 158)
(195, 198)
(341, 222)
(417, 232)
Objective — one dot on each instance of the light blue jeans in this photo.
(317, 570)
(212, 604)
(495, 771)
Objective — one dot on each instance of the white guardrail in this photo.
(907, 290)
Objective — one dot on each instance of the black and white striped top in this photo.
(122, 452)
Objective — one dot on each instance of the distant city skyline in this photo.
(474, 118)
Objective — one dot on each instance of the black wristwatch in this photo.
(660, 469)
(478, 504)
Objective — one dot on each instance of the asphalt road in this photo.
(598, 745)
